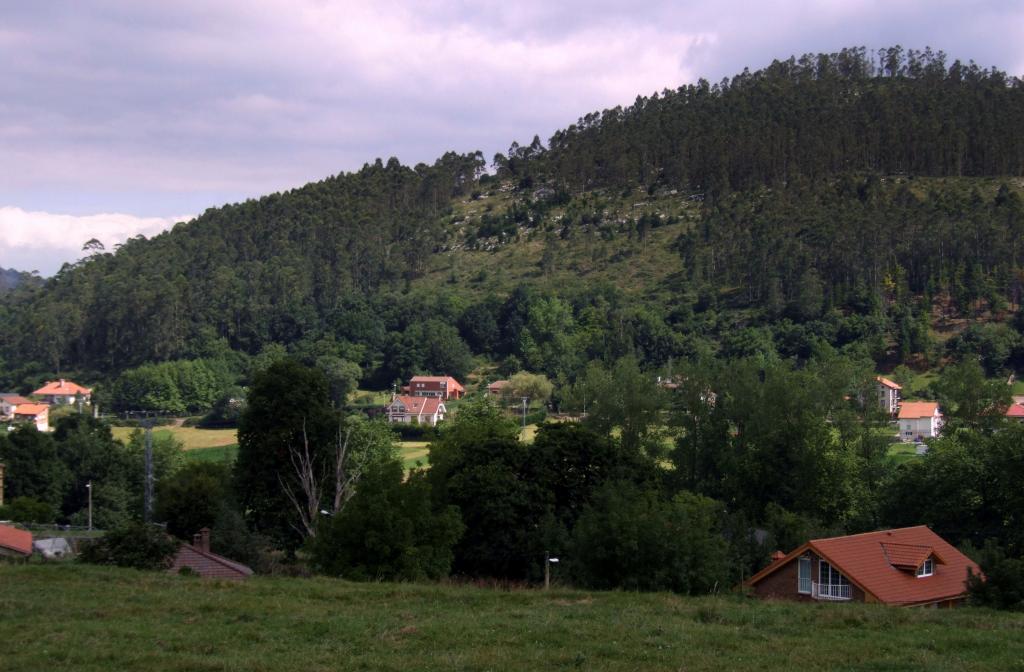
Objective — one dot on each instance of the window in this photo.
(803, 584)
(927, 568)
(829, 575)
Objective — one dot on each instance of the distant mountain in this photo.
(821, 200)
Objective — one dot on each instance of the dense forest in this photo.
(839, 198)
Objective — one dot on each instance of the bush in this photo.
(134, 545)
(1003, 584)
(413, 432)
(27, 510)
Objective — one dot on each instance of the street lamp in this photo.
(88, 489)
(548, 561)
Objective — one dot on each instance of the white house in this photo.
(919, 420)
(9, 403)
(416, 410)
(37, 414)
(888, 395)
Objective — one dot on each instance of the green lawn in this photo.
(75, 617)
(903, 452)
(190, 437)
(412, 452)
(226, 454)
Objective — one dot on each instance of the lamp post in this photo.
(88, 489)
(548, 561)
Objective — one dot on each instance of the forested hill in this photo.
(825, 191)
(10, 278)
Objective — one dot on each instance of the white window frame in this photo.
(801, 579)
(927, 568)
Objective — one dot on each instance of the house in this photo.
(15, 543)
(9, 402)
(444, 387)
(919, 420)
(910, 566)
(416, 410)
(63, 392)
(198, 558)
(498, 388)
(888, 394)
(37, 414)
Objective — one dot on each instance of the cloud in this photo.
(44, 241)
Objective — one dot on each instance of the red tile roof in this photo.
(15, 540)
(15, 399)
(419, 405)
(1016, 410)
(918, 409)
(31, 410)
(208, 565)
(498, 385)
(888, 383)
(883, 564)
(452, 383)
(62, 388)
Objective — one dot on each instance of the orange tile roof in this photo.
(864, 559)
(1016, 410)
(62, 387)
(452, 383)
(419, 405)
(31, 410)
(16, 540)
(15, 399)
(888, 383)
(918, 409)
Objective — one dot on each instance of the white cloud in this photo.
(44, 241)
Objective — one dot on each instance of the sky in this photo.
(120, 118)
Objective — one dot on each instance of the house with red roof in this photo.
(35, 414)
(1015, 412)
(15, 543)
(498, 388)
(63, 392)
(919, 420)
(444, 387)
(910, 567)
(198, 558)
(416, 410)
(888, 394)
(9, 402)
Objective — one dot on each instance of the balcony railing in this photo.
(830, 591)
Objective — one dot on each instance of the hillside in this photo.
(829, 198)
(124, 619)
(10, 278)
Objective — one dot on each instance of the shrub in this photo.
(1002, 586)
(134, 545)
(27, 510)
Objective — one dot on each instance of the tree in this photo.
(342, 377)
(133, 545)
(192, 498)
(971, 400)
(33, 468)
(535, 386)
(389, 531)
(626, 398)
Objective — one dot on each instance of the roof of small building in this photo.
(498, 384)
(14, 399)
(1016, 410)
(419, 405)
(62, 387)
(888, 383)
(31, 410)
(884, 564)
(13, 539)
(236, 567)
(918, 409)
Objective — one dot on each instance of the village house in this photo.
(9, 402)
(910, 566)
(63, 392)
(416, 410)
(498, 388)
(919, 420)
(444, 387)
(15, 543)
(36, 414)
(888, 395)
(198, 558)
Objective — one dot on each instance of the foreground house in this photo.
(63, 392)
(910, 566)
(919, 420)
(9, 403)
(443, 387)
(15, 543)
(36, 414)
(888, 394)
(198, 558)
(416, 410)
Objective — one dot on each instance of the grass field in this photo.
(412, 452)
(190, 437)
(903, 452)
(74, 617)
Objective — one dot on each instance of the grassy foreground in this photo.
(89, 618)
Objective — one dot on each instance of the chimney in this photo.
(204, 539)
(777, 555)
(62, 382)
(197, 540)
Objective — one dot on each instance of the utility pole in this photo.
(548, 560)
(88, 488)
(147, 505)
(525, 399)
